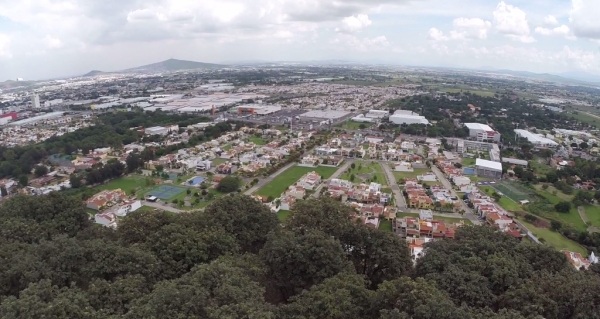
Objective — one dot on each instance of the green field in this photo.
(444, 219)
(509, 204)
(468, 161)
(585, 118)
(258, 140)
(555, 239)
(373, 169)
(126, 184)
(514, 191)
(386, 225)
(572, 217)
(405, 175)
(593, 215)
(227, 147)
(483, 93)
(278, 185)
(283, 215)
(219, 161)
(540, 168)
(351, 125)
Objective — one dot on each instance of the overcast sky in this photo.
(48, 38)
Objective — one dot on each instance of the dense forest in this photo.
(111, 130)
(235, 260)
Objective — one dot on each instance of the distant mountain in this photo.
(562, 78)
(93, 73)
(172, 65)
(581, 76)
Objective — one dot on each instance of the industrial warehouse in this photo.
(332, 115)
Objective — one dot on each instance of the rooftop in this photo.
(488, 164)
(479, 126)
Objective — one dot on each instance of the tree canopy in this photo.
(235, 260)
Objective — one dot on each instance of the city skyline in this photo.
(49, 39)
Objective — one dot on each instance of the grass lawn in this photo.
(227, 147)
(445, 219)
(283, 215)
(219, 161)
(540, 168)
(414, 174)
(593, 215)
(476, 92)
(278, 185)
(258, 140)
(351, 125)
(476, 179)
(366, 167)
(126, 184)
(468, 161)
(509, 204)
(555, 239)
(386, 225)
(572, 217)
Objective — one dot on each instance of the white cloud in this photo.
(474, 28)
(52, 43)
(550, 21)
(346, 41)
(563, 30)
(436, 35)
(4, 46)
(512, 21)
(353, 24)
(584, 18)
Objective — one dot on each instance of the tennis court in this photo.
(166, 191)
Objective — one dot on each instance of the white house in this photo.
(403, 167)
(429, 177)
(461, 180)
(127, 208)
(106, 219)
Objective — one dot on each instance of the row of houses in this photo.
(111, 204)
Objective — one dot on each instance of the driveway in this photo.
(162, 206)
(391, 181)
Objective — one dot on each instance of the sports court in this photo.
(196, 181)
(166, 191)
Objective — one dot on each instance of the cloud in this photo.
(584, 18)
(550, 21)
(563, 30)
(346, 41)
(4, 46)
(436, 35)
(52, 43)
(353, 24)
(512, 21)
(474, 28)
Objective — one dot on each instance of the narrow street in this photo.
(337, 174)
(468, 211)
(393, 184)
(164, 207)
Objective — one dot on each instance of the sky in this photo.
(41, 39)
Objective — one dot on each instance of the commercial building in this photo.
(377, 114)
(157, 130)
(55, 102)
(515, 161)
(362, 118)
(35, 101)
(482, 132)
(12, 115)
(408, 117)
(36, 119)
(324, 115)
(535, 139)
(488, 169)
(258, 109)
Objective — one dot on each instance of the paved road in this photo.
(391, 181)
(164, 207)
(268, 179)
(468, 211)
(337, 174)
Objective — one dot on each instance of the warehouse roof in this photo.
(328, 114)
(478, 126)
(537, 139)
(488, 164)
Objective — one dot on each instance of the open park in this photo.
(365, 172)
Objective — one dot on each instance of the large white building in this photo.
(408, 117)
(157, 130)
(535, 139)
(482, 132)
(377, 114)
(488, 169)
(35, 101)
(54, 102)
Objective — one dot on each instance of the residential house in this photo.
(309, 181)
(403, 167)
(577, 260)
(106, 219)
(226, 169)
(106, 199)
